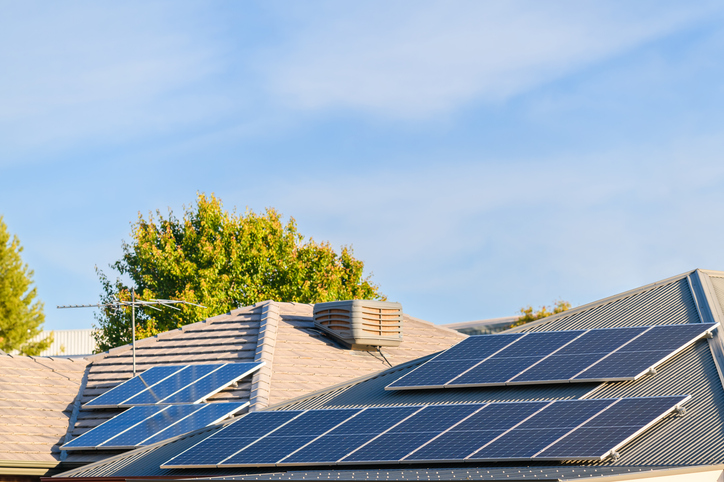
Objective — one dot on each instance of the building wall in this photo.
(69, 342)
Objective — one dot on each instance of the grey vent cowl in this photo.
(361, 322)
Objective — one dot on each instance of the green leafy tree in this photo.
(21, 315)
(527, 314)
(221, 260)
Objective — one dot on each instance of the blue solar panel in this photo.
(171, 385)
(149, 424)
(477, 348)
(124, 391)
(209, 414)
(612, 354)
(112, 427)
(611, 428)
(212, 383)
(601, 341)
(413, 432)
(494, 371)
(541, 344)
(234, 437)
(350, 435)
(437, 373)
(562, 366)
(165, 417)
(623, 365)
(450, 433)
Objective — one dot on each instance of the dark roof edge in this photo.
(603, 301)
(349, 383)
(76, 410)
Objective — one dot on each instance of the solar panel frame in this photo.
(94, 404)
(148, 413)
(466, 376)
(490, 433)
(128, 401)
(170, 399)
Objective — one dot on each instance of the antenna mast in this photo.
(133, 303)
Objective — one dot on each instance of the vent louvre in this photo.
(361, 322)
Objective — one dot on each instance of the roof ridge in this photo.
(601, 302)
(266, 341)
(429, 323)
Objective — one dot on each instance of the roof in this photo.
(298, 358)
(483, 327)
(37, 396)
(693, 442)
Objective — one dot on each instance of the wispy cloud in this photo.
(422, 59)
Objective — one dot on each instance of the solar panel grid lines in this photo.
(174, 384)
(209, 384)
(322, 435)
(598, 438)
(562, 347)
(612, 352)
(152, 425)
(595, 355)
(180, 380)
(413, 433)
(255, 425)
(380, 435)
(208, 414)
(444, 358)
(576, 428)
(221, 463)
(128, 389)
(145, 425)
(111, 428)
(551, 430)
(511, 429)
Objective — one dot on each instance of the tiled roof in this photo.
(299, 359)
(682, 442)
(37, 395)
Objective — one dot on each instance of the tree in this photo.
(21, 315)
(223, 261)
(527, 314)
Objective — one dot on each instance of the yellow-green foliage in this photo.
(527, 314)
(222, 260)
(21, 315)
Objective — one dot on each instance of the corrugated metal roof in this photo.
(669, 304)
(373, 393)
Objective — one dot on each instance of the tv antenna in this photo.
(133, 304)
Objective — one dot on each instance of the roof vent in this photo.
(361, 322)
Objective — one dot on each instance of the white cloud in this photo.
(422, 59)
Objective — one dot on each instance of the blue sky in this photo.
(478, 156)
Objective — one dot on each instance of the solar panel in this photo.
(139, 426)
(611, 354)
(548, 430)
(115, 396)
(173, 385)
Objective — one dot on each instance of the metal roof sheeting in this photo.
(669, 304)
(373, 393)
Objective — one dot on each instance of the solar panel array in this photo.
(589, 429)
(612, 354)
(161, 385)
(145, 425)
